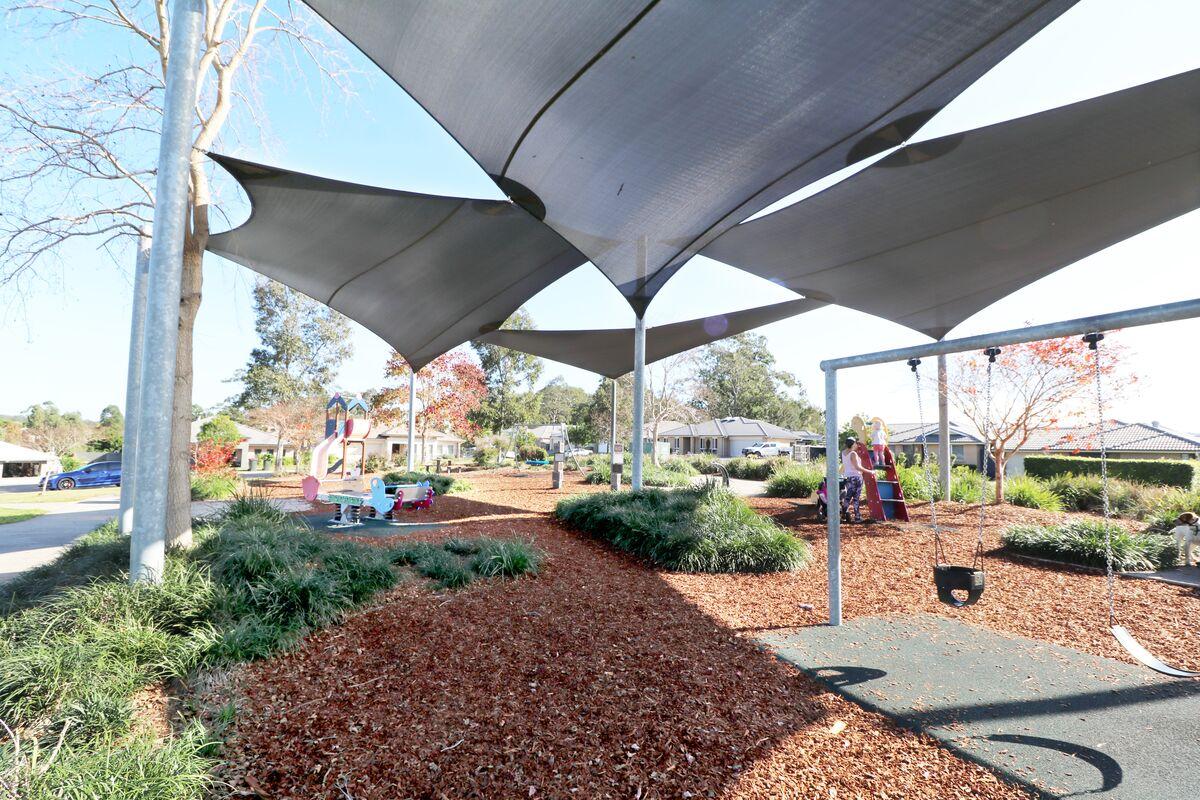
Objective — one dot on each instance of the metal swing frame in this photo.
(1149, 315)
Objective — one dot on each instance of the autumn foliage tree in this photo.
(1035, 386)
(449, 389)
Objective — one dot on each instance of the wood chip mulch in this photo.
(597, 678)
(887, 569)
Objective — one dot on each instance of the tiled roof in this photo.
(910, 433)
(15, 452)
(401, 432)
(737, 426)
(1118, 436)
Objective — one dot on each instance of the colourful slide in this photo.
(318, 468)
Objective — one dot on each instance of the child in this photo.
(879, 438)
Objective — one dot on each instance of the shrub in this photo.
(1180, 474)
(1085, 493)
(681, 466)
(756, 469)
(442, 484)
(214, 485)
(699, 530)
(486, 455)
(69, 462)
(913, 482)
(701, 461)
(455, 562)
(1160, 509)
(970, 485)
(651, 475)
(1082, 542)
(375, 463)
(531, 452)
(1031, 493)
(508, 558)
(795, 481)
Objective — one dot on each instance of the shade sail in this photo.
(609, 352)
(641, 130)
(938, 230)
(425, 273)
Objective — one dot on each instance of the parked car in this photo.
(767, 449)
(102, 473)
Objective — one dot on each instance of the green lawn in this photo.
(71, 496)
(18, 514)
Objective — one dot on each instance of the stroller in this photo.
(823, 500)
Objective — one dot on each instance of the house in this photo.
(24, 462)
(391, 444)
(727, 436)
(904, 438)
(254, 444)
(1122, 440)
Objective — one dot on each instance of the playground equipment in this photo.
(950, 578)
(885, 497)
(383, 502)
(343, 428)
(1119, 632)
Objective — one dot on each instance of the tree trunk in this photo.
(998, 457)
(179, 492)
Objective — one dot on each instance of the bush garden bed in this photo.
(701, 529)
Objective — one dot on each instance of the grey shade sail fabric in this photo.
(425, 273)
(938, 230)
(641, 129)
(609, 352)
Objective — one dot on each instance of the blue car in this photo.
(102, 473)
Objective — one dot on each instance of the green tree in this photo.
(53, 431)
(736, 377)
(110, 435)
(219, 430)
(303, 345)
(197, 411)
(558, 400)
(510, 375)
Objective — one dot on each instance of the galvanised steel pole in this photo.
(639, 384)
(412, 414)
(133, 384)
(1149, 315)
(147, 546)
(612, 426)
(943, 427)
(833, 505)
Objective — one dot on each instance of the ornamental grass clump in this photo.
(1082, 542)
(703, 529)
(796, 480)
(1031, 493)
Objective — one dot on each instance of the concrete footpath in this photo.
(37, 541)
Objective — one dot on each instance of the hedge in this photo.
(1183, 474)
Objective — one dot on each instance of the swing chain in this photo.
(1093, 343)
(939, 555)
(991, 354)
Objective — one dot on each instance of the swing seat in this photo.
(949, 578)
(1135, 649)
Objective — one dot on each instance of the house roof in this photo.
(737, 426)
(401, 432)
(251, 436)
(16, 452)
(910, 433)
(1118, 436)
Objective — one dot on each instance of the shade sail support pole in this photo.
(833, 506)
(943, 427)
(133, 383)
(612, 425)
(637, 445)
(147, 545)
(412, 415)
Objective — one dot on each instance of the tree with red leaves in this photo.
(1035, 386)
(449, 388)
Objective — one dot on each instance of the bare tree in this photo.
(669, 386)
(297, 421)
(79, 148)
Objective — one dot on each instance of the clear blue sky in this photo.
(381, 137)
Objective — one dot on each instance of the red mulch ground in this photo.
(597, 678)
